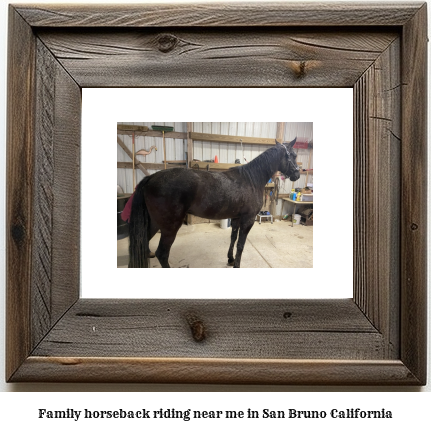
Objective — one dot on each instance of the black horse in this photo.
(162, 200)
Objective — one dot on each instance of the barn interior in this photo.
(282, 235)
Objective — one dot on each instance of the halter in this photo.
(296, 168)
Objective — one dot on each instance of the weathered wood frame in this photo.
(378, 337)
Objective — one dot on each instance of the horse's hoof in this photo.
(231, 263)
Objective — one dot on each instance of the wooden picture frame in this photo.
(378, 337)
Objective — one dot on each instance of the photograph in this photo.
(207, 190)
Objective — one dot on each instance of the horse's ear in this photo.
(291, 144)
(277, 143)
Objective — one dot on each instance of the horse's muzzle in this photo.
(295, 176)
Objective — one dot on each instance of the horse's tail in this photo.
(138, 229)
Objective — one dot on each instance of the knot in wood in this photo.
(197, 328)
(414, 226)
(167, 42)
(18, 233)
(300, 69)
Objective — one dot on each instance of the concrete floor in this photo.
(277, 245)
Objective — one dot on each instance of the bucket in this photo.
(296, 219)
(223, 223)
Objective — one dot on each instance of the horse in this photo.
(162, 200)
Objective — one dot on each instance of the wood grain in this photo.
(161, 329)
(414, 229)
(212, 14)
(127, 130)
(215, 371)
(231, 139)
(217, 166)
(148, 165)
(20, 195)
(227, 58)
(189, 144)
(376, 181)
(44, 194)
(55, 277)
(66, 208)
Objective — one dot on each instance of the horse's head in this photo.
(288, 166)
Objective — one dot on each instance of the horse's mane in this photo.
(261, 168)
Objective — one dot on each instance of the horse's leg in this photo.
(244, 228)
(167, 238)
(164, 248)
(152, 231)
(233, 237)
